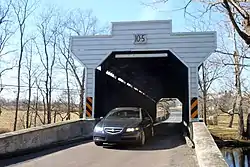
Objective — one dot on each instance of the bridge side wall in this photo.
(46, 136)
(208, 153)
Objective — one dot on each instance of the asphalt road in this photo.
(167, 148)
(174, 117)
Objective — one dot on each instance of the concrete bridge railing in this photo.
(44, 136)
(208, 153)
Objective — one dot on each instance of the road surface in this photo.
(174, 117)
(167, 148)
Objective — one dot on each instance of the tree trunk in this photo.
(50, 80)
(81, 107)
(17, 97)
(31, 118)
(241, 158)
(205, 108)
(18, 84)
(239, 94)
(44, 111)
(233, 158)
(204, 92)
(49, 102)
(232, 115)
(248, 157)
(231, 121)
(248, 125)
(68, 91)
(44, 105)
(36, 108)
(28, 107)
(55, 112)
(241, 128)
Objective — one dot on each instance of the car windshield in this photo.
(129, 114)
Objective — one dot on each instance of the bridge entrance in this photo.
(171, 108)
(140, 79)
(145, 61)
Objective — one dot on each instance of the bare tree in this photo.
(6, 24)
(22, 9)
(82, 22)
(48, 29)
(211, 70)
(64, 49)
(227, 104)
(79, 22)
(39, 89)
(65, 66)
(31, 74)
(236, 10)
(238, 57)
(36, 101)
(6, 32)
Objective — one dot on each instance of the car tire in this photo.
(142, 138)
(98, 143)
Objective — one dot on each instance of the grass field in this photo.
(222, 130)
(7, 119)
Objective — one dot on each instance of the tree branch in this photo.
(242, 34)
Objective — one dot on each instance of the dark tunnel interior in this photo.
(157, 77)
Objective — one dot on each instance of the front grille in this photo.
(113, 130)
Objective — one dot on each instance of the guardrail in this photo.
(18, 142)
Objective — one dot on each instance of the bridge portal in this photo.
(139, 63)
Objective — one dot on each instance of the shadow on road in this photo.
(17, 159)
(167, 136)
(156, 143)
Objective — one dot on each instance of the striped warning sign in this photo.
(89, 107)
(194, 107)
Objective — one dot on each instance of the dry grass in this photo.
(222, 130)
(7, 119)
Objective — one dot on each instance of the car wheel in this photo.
(143, 138)
(98, 143)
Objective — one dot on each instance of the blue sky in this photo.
(108, 11)
(111, 10)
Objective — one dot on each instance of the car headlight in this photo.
(132, 129)
(98, 129)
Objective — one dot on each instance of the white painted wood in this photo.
(151, 39)
(89, 82)
(192, 48)
(142, 25)
(140, 55)
(145, 31)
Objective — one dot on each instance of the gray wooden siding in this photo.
(192, 48)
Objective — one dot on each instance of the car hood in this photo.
(119, 123)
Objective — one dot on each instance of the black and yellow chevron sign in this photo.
(194, 107)
(89, 106)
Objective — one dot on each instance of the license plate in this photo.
(113, 138)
